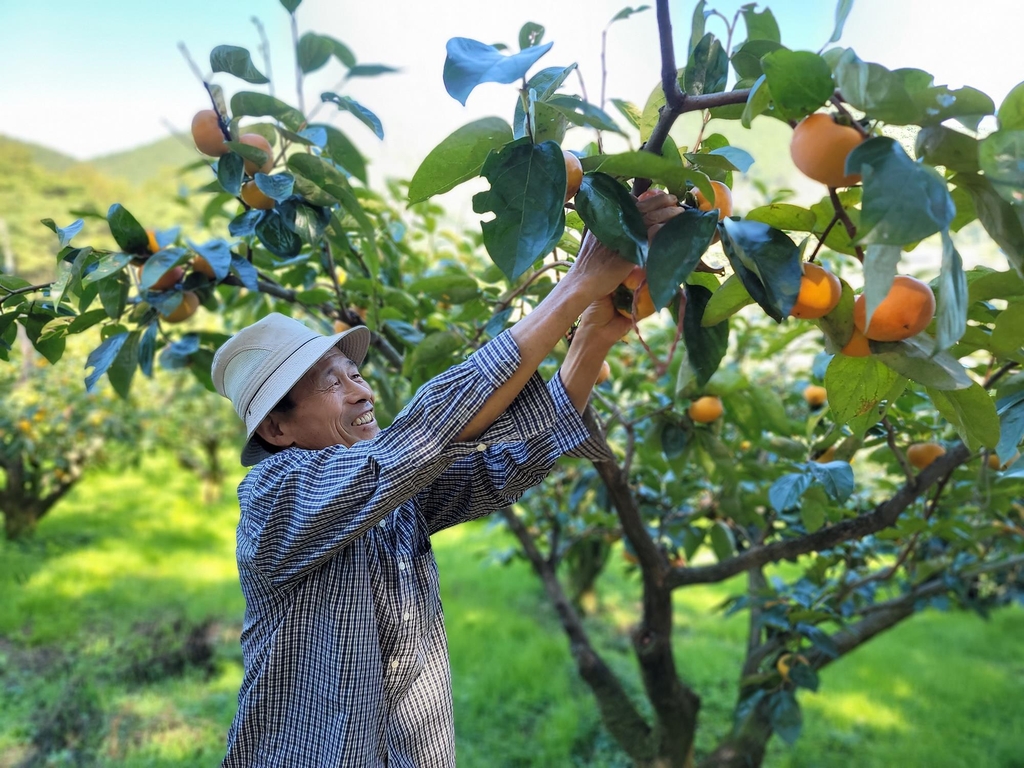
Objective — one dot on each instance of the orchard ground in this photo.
(119, 646)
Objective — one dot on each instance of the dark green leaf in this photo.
(254, 155)
(276, 236)
(800, 81)
(673, 440)
(648, 165)
(470, 63)
(348, 104)
(784, 216)
(526, 196)
(230, 168)
(277, 187)
(903, 201)
(244, 224)
(126, 230)
(917, 359)
(696, 28)
(625, 13)
(458, 158)
(307, 221)
(997, 216)
(746, 59)
(875, 90)
(530, 34)
(159, 264)
(370, 70)
(246, 273)
(1011, 425)
(939, 145)
(65, 234)
(836, 477)
(236, 61)
(951, 315)
(102, 357)
(610, 212)
(147, 349)
(1008, 332)
(217, 254)
(1001, 157)
(291, 5)
(967, 105)
(972, 414)
(723, 543)
(758, 100)
(676, 250)
(767, 262)
(544, 84)
(819, 639)
(343, 152)
(802, 675)
(705, 346)
(450, 288)
(785, 492)
(248, 103)
(1011, 111)
(856, 386)
(313, 51)
(707, 69)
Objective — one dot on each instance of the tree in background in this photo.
(736, 431)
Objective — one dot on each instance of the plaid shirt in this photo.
(346, 660)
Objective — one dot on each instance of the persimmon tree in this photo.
(723, 469)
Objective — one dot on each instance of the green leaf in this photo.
(707, 69)
(647, 165)
(1011, 111)
(784, 715)
(253, 154)
(278, 187)
(880, 263)
(542, 85)
(842, 11)
(370, 70)
(64, 235)
(993, 285)
(939, 145)
(676, 250)
(348, 104)
(291, 5)
(526, 195)
(102, 357)
(343, 152)
(470, 63)
(723, 543)
(312, 52)
(625, 13)
(230, 168)
(918, 360)
(236, 61)
(784, 216)
(835, 477)
(107, 265)
(610, 212)
(450, 288)
(972, 414)
(729, 299)
(767, 262)
(126, 230)
(856, 386)
(997, 216)
(760, 25)
(1011, 425)
(873, 89)
(785, 493)
(673, 440)
(967, 105)
(758, 100)
(579, 112)
(122, 369)
(1001, 157)
(530, 34)
(951, 314)
(903, 201)
(800, 81)
(746, 58)
(628, 110)
(276, 236)
(1008, 333)
(217, 254)
(696, 27)
(159, 264)
(705, 346)
(251, 104)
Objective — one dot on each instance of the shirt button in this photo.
(401, 566)
(383, 523)
(481, 447)
(405, 616)
(394, 664)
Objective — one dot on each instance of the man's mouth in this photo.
(366, 418)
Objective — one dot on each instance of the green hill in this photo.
(44, 157)
(149, 161)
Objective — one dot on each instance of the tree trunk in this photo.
(19, 520)
(745, 746)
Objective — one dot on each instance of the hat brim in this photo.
(353, 343)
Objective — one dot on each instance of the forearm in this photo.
(581, 367)
(535, 335)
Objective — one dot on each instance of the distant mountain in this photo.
(143, 163)
(44, 157)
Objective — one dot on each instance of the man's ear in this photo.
(271, 430)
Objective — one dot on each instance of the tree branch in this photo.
(884, 515)
(619, 715)
(844, 217)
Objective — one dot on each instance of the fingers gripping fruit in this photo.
(634, 295)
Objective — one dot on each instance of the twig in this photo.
(821, 240)
(890, 438)
(209, 90)
(265, 50)
(845, 218)
(837, 100)
(298, 69)
(991, 380)
(19, 291)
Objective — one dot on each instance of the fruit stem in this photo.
(837, 101)
(890, 438)
(845, 218)
(824, 235)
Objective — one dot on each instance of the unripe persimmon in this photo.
(185, 310)
(819, 148)
(922, 455)
(904, 312)
(820, 292)
(573, 174)
(207, 134)
(257, 141)
(706, 409)
(253, 197)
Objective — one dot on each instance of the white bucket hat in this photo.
(259, 365)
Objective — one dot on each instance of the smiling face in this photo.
(332, 405)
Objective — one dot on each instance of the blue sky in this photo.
(92, 78)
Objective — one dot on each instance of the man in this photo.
(346, 661)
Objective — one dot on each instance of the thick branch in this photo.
(884, 515)
(619, 715)
(669, 84)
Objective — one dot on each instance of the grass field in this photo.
(119, 647)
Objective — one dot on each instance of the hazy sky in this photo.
(106, 75)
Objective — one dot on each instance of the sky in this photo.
(103, 76)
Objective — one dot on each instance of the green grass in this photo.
(130, 554)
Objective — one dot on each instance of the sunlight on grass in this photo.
(855, 709)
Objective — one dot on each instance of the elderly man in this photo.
(346, 661)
